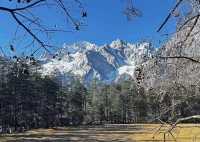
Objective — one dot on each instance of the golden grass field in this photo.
(108, 133)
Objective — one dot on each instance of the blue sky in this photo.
(106, 22)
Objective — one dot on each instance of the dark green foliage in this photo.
(29, 100)
(116, 103)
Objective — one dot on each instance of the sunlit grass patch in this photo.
(117, 133)
(182, 133)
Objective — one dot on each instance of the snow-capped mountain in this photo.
(90, 61)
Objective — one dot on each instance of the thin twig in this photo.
(169, 15)
(179, 57)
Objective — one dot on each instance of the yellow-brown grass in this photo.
(114, 133)
(182, 133)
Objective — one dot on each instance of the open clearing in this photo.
(108, 133)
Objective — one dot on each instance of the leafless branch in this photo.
(180, 57)
(186, 22)
(26, 19)
(62, 6)
(169, 15)
(22, 8)
(192, 28)
(29, 31)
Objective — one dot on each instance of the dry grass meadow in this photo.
(108, 133)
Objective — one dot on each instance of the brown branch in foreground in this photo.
(180, 57)
(174, 125)
(187, 118)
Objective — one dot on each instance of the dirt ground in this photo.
(108, 133)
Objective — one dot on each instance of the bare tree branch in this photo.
(169, 15)
(29, 6)
(186, 22)
(180, 57)
(62, 6)
(192, 28)
(29, 31)
(24, 18)
(22, 8)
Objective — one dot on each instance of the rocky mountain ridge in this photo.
(106, 63)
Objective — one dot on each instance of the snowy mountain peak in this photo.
(118, 44)
(79, 47)
(106, 63)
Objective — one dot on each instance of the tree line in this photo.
(29, 100)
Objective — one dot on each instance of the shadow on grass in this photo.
(74, 137)
(69, 138)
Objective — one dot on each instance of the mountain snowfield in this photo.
(106, 63)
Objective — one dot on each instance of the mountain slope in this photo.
(106, 63)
